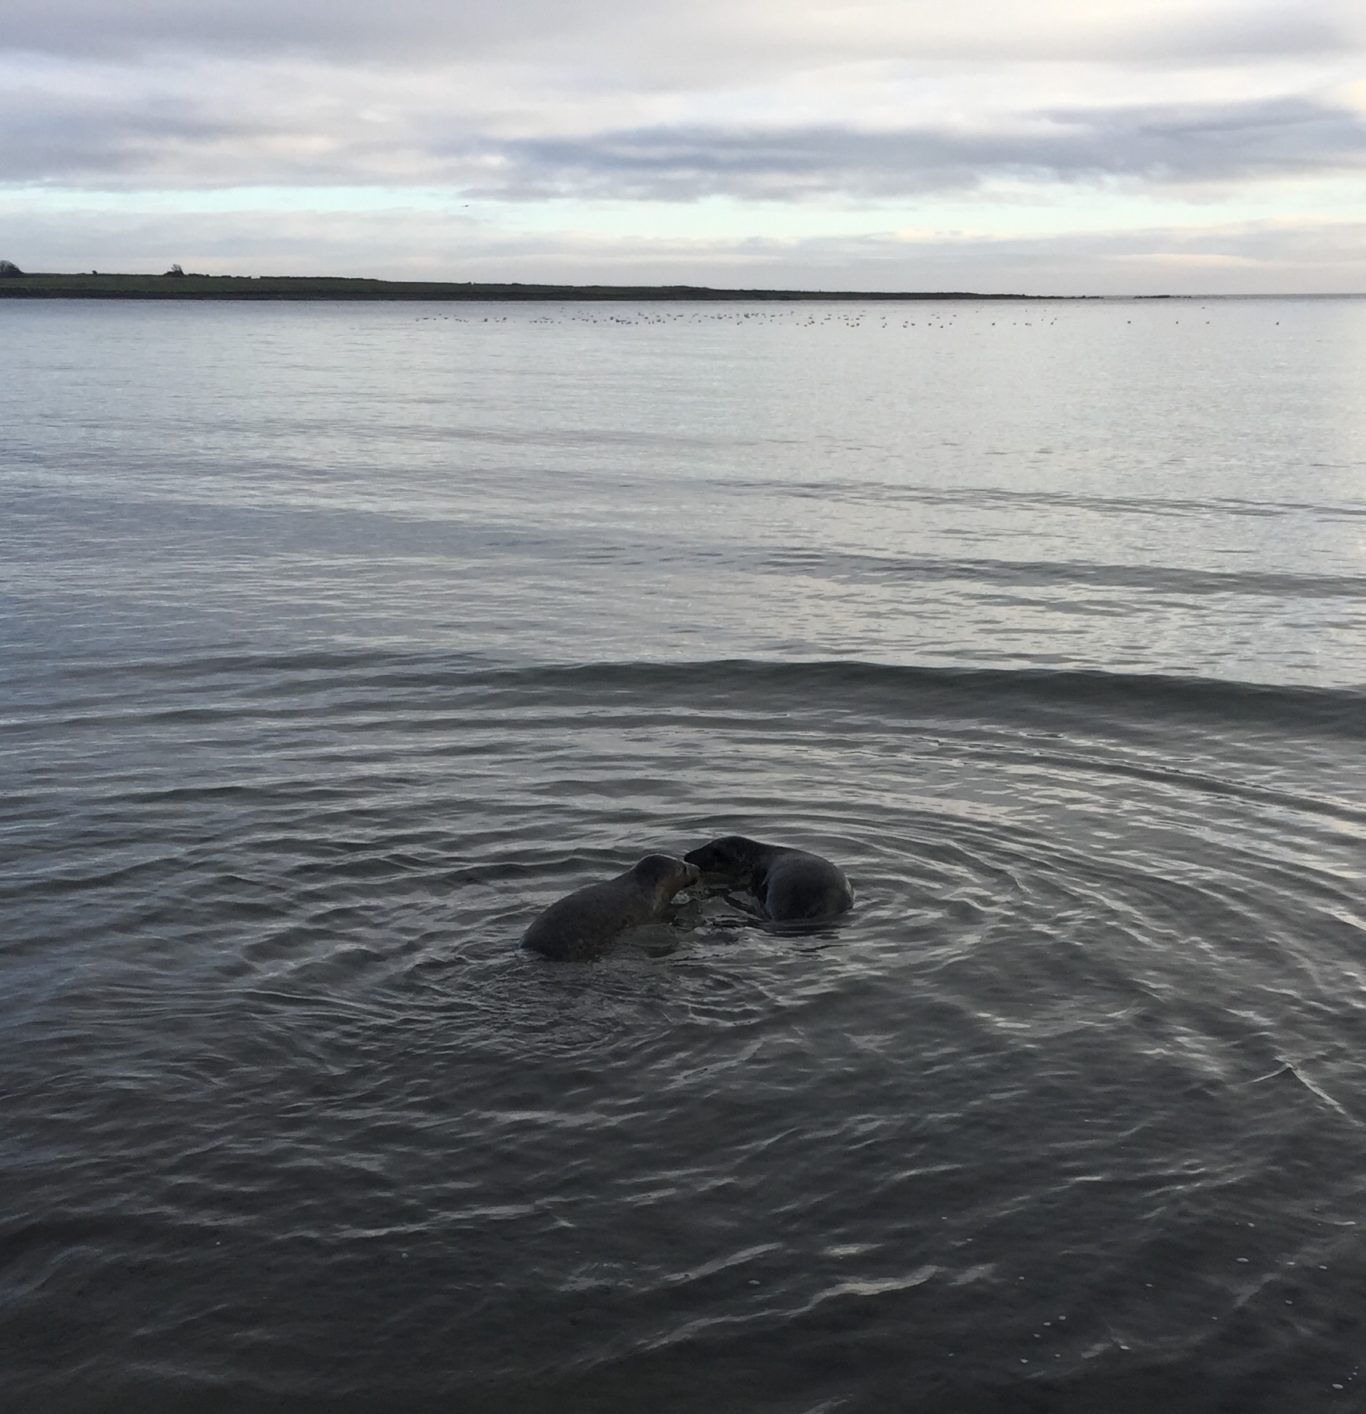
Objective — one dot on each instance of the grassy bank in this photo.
(315, 287)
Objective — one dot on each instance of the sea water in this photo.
(337, 640)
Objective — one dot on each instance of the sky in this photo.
(1030, 146)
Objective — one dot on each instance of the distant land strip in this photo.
(325, 287)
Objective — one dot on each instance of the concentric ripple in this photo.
(336, 642)
(1072, 1095)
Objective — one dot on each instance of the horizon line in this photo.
(176, 283)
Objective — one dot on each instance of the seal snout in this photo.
(729, 855)
(665, 872)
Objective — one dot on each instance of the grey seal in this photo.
(583, 924)
(792, 885)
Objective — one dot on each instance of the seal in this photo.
(584, 924)
(792, 885)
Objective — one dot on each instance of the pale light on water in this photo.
(339, 640)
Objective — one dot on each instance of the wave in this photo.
(924, 691)
(1170, 579)
(986, 497)
(1041, 695)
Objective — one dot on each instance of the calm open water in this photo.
(338, 640)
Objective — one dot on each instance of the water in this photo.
(339, 640)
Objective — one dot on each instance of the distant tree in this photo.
(175, 270)
(8, 269)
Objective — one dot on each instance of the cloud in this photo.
(708, 33)
(605, 99)
(1193, 142)
(768, 118)
(197, 135)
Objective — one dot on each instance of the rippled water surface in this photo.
(339, 640)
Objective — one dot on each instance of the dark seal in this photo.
(791, 885)
(585, 923)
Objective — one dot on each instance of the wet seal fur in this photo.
(791, 885)
(585, 923)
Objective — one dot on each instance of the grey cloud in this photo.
(122, 140)
(103, 141)
(251, 27)
(1195, 143)
(1236, 33)
(638, 37)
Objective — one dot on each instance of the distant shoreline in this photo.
(324, 287)
(94, 285)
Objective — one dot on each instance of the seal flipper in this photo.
(745, 906)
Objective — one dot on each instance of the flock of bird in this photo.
(789, 316)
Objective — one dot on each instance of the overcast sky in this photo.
(1042, 146)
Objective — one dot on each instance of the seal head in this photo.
(791, 885)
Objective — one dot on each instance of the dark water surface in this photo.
(336, 641)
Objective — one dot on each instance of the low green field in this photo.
(314, 287)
